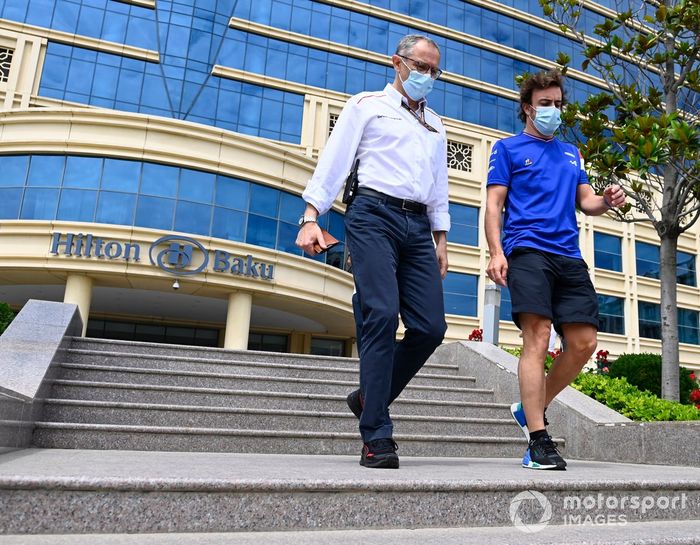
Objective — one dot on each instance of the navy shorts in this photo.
(550, 285)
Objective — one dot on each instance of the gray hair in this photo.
(405, 45)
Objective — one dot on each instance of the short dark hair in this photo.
(540, 80)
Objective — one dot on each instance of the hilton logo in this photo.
(174, 254)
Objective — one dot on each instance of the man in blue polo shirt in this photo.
(541, 181)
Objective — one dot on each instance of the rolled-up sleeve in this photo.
(336, 159)
(438, 207)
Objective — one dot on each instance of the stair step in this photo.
(194, 395)
(673, 532)
(178, 439)
(219, 374)
(283, 363)
(187, 352)
(145, 414)
(256, 399)
(80, 491)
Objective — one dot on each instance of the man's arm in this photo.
(497, 268)
(595, 205)
(439, 205)
(331, 170)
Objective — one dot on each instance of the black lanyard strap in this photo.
(419, 118)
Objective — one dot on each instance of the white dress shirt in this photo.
(398, 156)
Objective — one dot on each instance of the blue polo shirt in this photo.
(542, 177)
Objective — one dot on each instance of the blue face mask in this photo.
(417, 85)
(547, 119)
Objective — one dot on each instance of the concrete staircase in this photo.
(142, 396)
(152, 444)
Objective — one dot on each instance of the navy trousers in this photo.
(396, 271)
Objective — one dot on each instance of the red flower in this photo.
(695, 395)
(606, 370)
(477, 335)
(692, 375)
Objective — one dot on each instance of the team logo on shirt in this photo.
(575, 163)
(528, 162)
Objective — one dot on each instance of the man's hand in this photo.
(498, 269)
(440, 238)
(441, 251)
(613, 196)
(310, 235)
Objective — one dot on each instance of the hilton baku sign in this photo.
(173, 254)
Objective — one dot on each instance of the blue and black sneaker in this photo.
(518, 414)
(542, 453)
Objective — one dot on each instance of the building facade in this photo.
(153, 154)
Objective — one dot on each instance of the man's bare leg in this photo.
(536, 330)
(581, 342)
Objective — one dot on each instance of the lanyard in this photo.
(419, 118)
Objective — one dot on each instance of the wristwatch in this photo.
(307, 219)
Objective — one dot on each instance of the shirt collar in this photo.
(396, 97)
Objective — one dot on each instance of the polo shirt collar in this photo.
(396, 98)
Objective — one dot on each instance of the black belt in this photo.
(403, 204)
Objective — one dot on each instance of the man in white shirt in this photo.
(395, 230)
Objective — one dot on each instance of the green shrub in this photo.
(627, 399)
(6, 316)
(644, 371)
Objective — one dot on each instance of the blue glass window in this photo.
(83, 172)
(106, 190)
(685, 267)
(10, 201)
(116, 208)
(608, 251)
(229, 224)
(460, 293)
(193, 218)
(464, 224)
(39, 203)
(155, 212)
(649, 264)
(650, 323)
(649, 320)
(611, 314)
(232, 193)
(688, 326)
(13, 170)
(77, 205)
(46, 170)
(121, 175)
(159, 180)
(264, 200)
(647, 260)
(196, 186)
(261, 231)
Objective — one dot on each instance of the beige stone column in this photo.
(79, 292)
(240, 304)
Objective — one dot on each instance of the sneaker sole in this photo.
(523, 428)
(387, 462)
(535, 465)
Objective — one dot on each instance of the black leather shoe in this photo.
(380, 453)
(356, 403)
